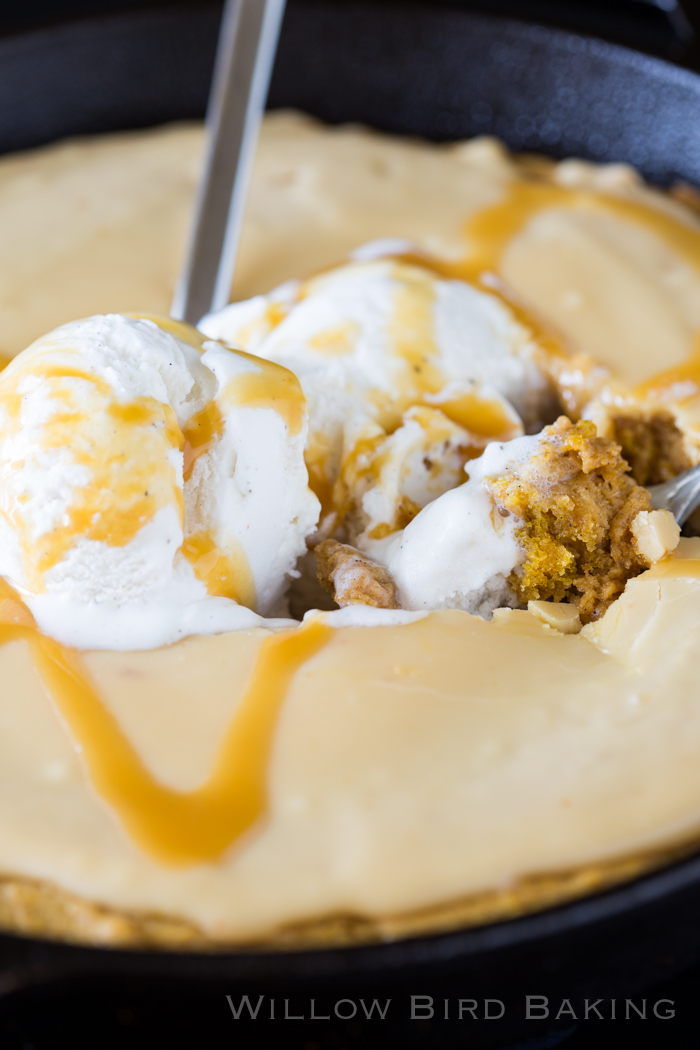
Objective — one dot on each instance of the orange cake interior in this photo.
(652, 444)
(577, 502)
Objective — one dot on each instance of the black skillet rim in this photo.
(29, 961)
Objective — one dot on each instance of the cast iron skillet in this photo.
(441, 74)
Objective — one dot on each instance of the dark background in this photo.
(670, 28)
(98, 1016)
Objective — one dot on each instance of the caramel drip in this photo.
(275, 313)
(176, 828)
(490, 231)
(361, 459)
(37, 368)
(676, 384)
(319, 484)
(201, 432)
(225, 573)
(481, 416)
(268, 386)
(13, 611)
(337, 341)
(411, 332)
(186, 333)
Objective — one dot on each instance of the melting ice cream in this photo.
(372, 341)
(152, 483)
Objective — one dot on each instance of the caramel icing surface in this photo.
(98, 225)
(388, 768)
(410, 764)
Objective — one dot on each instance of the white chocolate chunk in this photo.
(656, 533)
(562, 617)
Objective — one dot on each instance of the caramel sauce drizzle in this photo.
(479, 415)
(269, 385)
(117, 445)
(200, 433)
(183, 331)
(490, 231)
(411, 332)
(121, 444)
(412, 336)
(174, 827)
(196, 827)
(674, 384)
(337, 341)
(225, 573)
(322, 488)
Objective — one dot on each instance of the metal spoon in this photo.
(244, 60)
(681, 495)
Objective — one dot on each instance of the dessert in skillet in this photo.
(347, 615)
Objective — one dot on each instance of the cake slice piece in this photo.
(576, 503)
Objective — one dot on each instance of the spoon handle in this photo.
(244, 60)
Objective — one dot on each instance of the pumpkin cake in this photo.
(453, 423)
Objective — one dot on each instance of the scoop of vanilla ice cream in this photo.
(458, 552)
(152, 483)
(370, 339)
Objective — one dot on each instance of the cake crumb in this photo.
(353, 578)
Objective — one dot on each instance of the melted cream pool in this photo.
(248, 782)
